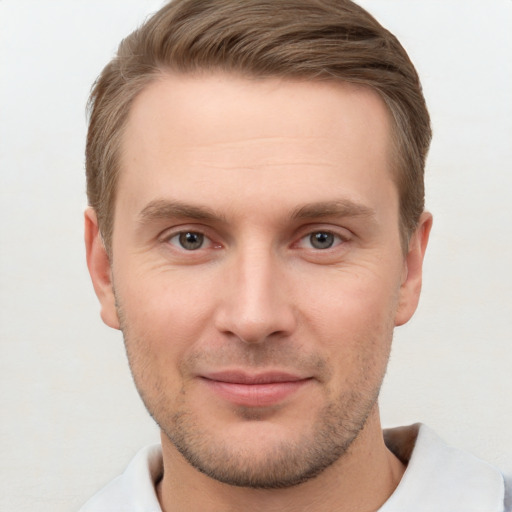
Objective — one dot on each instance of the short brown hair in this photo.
(297, 39)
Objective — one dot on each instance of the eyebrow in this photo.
(337, 208)
(161, 209)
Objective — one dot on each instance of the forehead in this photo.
(193, 107)
(257, 134)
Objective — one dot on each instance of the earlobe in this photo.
(410, 288)
(100, 270)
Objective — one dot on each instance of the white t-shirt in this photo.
(437, 479)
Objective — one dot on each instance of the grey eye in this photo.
(190, 240)
(322, 240)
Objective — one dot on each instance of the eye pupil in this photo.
(322, 240)
(191, 241)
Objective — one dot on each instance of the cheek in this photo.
(162, 317)
(164, 297)
(352, 317)
(351, 298)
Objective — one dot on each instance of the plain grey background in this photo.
(70, 416)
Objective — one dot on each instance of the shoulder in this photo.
(439, 477)
(134, 490)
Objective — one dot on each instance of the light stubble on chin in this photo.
(280, 464)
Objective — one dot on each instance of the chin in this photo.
(262, 453)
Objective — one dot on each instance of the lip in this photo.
(254, 390)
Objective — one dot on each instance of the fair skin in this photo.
(257, 275)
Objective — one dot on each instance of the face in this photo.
(257, 269)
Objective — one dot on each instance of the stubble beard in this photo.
(279, 464)
(283, 464)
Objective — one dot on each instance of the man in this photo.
(257, 229)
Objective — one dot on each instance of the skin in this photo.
(261, 170)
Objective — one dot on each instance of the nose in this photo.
(256, 302)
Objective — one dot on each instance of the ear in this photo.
(410, 288)
(100, 270)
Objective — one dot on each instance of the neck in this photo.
(361, 480)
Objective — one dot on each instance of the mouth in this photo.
(254, 390)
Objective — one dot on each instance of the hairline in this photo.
(166, 70)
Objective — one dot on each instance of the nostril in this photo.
(252, 329)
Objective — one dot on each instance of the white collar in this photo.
(437, 479)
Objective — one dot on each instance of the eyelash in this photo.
(179, 241)
(335, 239)
(322, 236)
